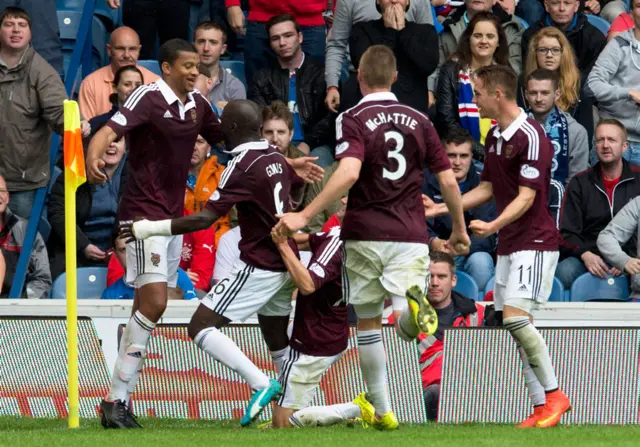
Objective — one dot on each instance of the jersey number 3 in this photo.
(396, 155)
(276, 198)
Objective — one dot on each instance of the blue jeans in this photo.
(258, 53)
(531, 11)
(569, 270)
(324, 154)
(21, 202)
(479, 266)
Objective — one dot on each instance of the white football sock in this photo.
(134, 380)
(536, 391)
(373, 362)
(535, 348)
(278, 359)
(224, 350)
(133, 347)
(325, 415)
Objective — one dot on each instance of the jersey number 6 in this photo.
(396, 155)
(276, 198)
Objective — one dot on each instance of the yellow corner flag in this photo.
(74, 176)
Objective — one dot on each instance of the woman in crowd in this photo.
(96, 214)
(125, 81)
(482, 43)
(550, 49)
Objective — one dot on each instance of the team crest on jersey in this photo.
(155, 259)
(193, 115)
(508, 152)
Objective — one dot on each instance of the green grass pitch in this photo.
(178, 433)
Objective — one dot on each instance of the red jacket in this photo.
(431, 348)
(199, 255)
(306, 12)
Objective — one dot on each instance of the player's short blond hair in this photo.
(378, 67)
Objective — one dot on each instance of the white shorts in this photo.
(248, 290)
(301, 374)
(377, 270)
(524, 279)
(155, 259)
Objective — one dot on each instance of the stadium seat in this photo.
(44, 229)
(557, 292)
(151, 65)
(91, 282)
(523, 22)
(466, 286)
(69, 22)
(599, 23)
(236, 68)
(591, 288)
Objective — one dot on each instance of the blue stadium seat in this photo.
(44, 229)
(591, 288)
(599, 23)
(466, 286)
(236, 68)
(557, 292)
(151, 65)
(91, 282)
(523, 22)
(69, 21)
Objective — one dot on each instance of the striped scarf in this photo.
(468, 110)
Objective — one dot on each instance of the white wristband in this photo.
(144, 229)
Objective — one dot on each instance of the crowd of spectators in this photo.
(300, 65)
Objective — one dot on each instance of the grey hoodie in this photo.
(617, 71)
(622, 228)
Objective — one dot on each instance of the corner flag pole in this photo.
(74, 176)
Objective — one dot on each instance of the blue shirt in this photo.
(119, 290)
(298, 134)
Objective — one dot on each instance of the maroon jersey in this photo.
(161, 135)
(394, 143)
(521, 156)
(320, 325)
(258, 181)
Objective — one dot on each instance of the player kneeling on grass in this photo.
(382, 148)
(320, 331)
(517, 172)
(259, 181)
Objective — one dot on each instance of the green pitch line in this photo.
(53, 432)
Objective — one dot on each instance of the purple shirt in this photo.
(258, 181)
(320, 325)
(162, 133)
(521, 156)
(394, 143)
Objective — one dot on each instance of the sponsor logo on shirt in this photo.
(215, 196)
(315, 268)
(529, 172)
(167, 114)
(342, 147)
(492, 149)
(119, 119)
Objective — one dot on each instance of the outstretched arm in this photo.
(144, 229)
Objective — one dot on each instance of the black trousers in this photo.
(166, 19)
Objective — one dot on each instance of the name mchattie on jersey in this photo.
(395, 117)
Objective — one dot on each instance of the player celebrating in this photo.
(320, 331)
(162, 120)
(259, 180)
(382, 147)
(517, 171)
